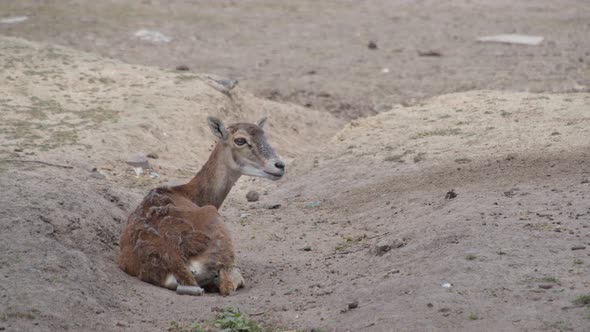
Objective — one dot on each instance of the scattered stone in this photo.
(578, 247)
(153, 155)
(430, 53)
(272, 206)
(252, 196)
(154, 175)
(546, 286)
(18, 150)
(511, 156)
(138, 171)
(97, 175)
(462, 160)
(446, 285)
(451, 194)
(513, 39)
(306, 248)
(372, 45)
(445, 311)
(353, 305)
(182, 68)
(152, 36)
(138, 161)
(244, 215)
(229, 84)
(13, 19)
(386, 245)
(429, 305)
(312, 204)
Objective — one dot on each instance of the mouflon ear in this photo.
(260, 123)
(217, 128)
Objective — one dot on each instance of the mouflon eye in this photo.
(240, 141)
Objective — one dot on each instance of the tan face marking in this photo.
(250, 150)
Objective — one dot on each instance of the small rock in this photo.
(430, 53)
(353, 305)
(446, 285)
(511, 156)
(138, 161)
(13, 19)
(138, 171)
(386, 245)
(97, 175)
(153, 155)
(372, 45)
(182, 68)
(152, 36)
(578, 247)
(272, 206)
(312, 204)
(513, 39)
(445, 311)
(429, 305)
(252, 196)
(451, 194)
(545, 286)
(229, 84)
(18, 150)
(307, 248)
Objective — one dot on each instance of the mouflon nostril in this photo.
(280, 165)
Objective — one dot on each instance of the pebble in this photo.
(353, 305)
(578, 247)
(451, 194)
(312, 204)
(545, 286)
(152, 36)
(138, 161)
(97, 175)
(372, 45)
(153, 155)
(252, 196)
(386, 245)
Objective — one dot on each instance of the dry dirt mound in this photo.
(362, 218)
(508, 243)
(62, 224)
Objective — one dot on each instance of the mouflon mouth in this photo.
(274, 175)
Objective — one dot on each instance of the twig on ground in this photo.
(36, 162)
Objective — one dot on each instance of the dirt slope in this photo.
(315, 52)
(382, 234)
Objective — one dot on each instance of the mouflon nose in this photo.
(280, 165)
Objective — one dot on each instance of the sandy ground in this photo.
(365, 213)
(315, 52)
(383, 233)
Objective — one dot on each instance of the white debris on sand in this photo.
(13, 19)
(152, 36)
(513, 39)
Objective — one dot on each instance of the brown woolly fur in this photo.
(176, 235)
